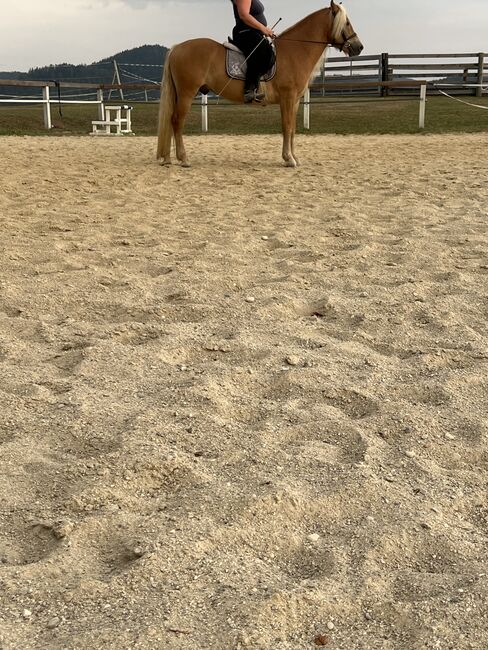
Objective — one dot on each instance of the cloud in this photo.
(142, 4)
(80, 31)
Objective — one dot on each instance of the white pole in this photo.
(324, 61)
(423, 97)
(101, 107)
(306, 109)
(204, 113)
(118, 79)
(47, 107)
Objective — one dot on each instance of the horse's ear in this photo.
(334, 7)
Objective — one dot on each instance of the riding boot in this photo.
(252, 95)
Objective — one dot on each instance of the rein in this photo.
(339, 46)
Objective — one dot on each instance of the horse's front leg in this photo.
(293, 145)
(288, 106)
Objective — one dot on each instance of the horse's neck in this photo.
(308, 39)
(315, 27)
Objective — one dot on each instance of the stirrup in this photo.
(253, 96)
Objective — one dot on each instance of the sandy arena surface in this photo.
(244, 406)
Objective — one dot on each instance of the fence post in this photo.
(384, 72)
(423, 97)
(324, 63)
(306, 109)
(323, 71)
(101, 107)
(481, 65)
(204, 113)
(46, 107)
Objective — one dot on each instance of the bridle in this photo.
(345, 43)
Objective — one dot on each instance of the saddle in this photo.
(236, 66)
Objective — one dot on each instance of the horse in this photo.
(199, 65)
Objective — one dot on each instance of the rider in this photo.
(249, 35)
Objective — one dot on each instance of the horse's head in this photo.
(343, 36)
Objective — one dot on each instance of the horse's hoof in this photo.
(290, 163)
(186, 164)
(164, 163)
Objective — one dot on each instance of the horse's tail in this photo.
(166, 109)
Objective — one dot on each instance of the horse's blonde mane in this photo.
(340, 21)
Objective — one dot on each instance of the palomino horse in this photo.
(199, 64)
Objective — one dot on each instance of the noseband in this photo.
(345, 43)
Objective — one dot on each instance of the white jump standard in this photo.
(104, 126)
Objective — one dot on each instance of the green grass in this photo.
(335, 115)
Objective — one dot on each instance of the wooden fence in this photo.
(463, 73)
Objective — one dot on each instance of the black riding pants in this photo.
(260, 61)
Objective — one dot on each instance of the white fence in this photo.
(46, 102)
(384, 86)
(307, 103)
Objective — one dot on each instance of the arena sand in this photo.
(244, 406)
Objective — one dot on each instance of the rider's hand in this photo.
(268, 32)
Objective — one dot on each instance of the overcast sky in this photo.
(36, 33)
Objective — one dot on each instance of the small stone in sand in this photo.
(330, 625)
(250, 299)
(449, 436)
(265, 237)
(26, 613)
(410, 454)
(53, 622)
(62, 529)
(314, 537)
(292, 360)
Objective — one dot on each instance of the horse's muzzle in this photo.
(354, 47)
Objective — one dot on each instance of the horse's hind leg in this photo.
(182, 107)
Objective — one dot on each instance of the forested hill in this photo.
(102, 71)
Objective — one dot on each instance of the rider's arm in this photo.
(244, 7)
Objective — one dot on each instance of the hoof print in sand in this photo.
(70, 357)
(27, 544)
(310, 563)
(336, 321)
(427, 395)
(353, 404)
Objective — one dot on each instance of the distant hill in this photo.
(98, 72)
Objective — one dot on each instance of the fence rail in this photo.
(73, 84)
